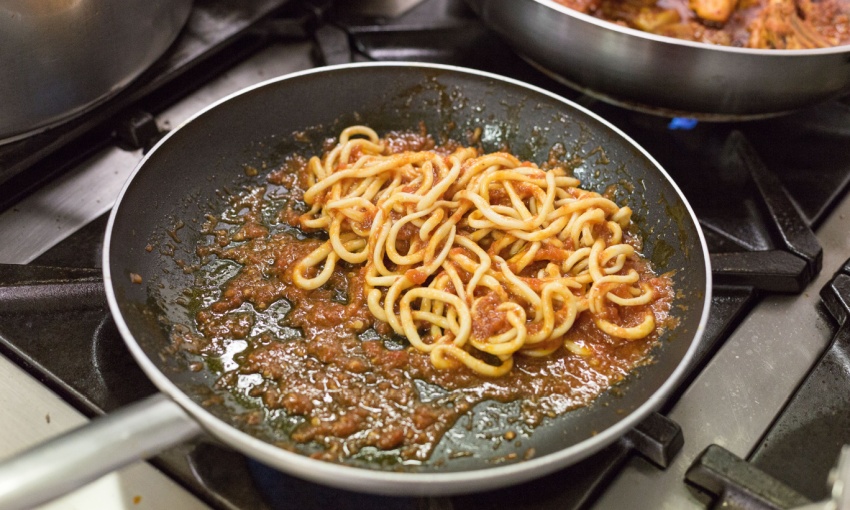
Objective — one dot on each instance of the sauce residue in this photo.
(345, 385)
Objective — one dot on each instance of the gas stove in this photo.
(758, 422)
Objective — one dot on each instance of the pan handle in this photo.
(82, 455)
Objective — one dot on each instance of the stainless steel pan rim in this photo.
(650, 109)
(64, 59)
(802, 53)
(664, 75)
(381, 481)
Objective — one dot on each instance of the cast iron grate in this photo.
(791, 465)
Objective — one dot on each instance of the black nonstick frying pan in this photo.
(157, 222)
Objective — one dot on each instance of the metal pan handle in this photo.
(82, 455)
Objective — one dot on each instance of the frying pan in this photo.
(663, 75)
(157, 221)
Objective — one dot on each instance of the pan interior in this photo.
(159, 218)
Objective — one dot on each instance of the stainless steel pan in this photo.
(661, 74)
(61, 57)
(181, 179)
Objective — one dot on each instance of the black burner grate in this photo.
(791, 465)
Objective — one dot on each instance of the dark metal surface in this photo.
(738, 485)
(810, 153)
(33, 288)
(657, 438)
(771, 270)
(803, 444)
(791, 465)
(793, 233)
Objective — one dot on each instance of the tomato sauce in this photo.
(349, 384)
(766, 24)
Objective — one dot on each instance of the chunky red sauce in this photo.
(768, 24)
(321, 357)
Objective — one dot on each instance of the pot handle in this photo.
(84, 454)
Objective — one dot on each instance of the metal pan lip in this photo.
(762, 53)
(386, 482)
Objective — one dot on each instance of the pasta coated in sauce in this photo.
(322, 344)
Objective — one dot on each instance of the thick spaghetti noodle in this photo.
(473, 258)
(503, 263)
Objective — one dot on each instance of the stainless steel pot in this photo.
(664, 75)
(61, 57)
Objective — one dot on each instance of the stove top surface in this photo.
(770, 195)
